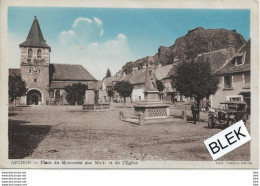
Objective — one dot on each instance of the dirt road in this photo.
(67, 132)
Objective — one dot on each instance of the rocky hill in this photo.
(196, 41)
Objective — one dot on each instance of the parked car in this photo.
(230, 113)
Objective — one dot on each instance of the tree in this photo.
(16, 87)
(160, 87)
(108, 74)
(110, 93)
(124, 88)
(76, 93)
(195, 79)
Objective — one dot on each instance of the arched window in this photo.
(30, 53)
(39, 71)
(30, 71)
(39, 53)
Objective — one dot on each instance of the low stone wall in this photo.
(96, 107)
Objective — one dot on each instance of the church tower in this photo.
(35, 62)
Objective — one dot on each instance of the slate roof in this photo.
(35, 37)
(171, 72)
(15, 71)
(137, 77)
(70, 72)
(109, 81)
(230, 67)
(216, 58)
(62, 84)
(161, 72)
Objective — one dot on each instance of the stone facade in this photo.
(45, 81)
(35, 72)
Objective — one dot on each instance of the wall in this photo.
(138, 91)
(224, 95)
(45, 60)
(42, 77)
(102, 95)
(89, 97)
(168, 90)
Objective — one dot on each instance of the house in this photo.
(46, 81)
(234, 78)
(137, 78)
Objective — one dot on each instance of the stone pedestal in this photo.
(152, 107)
(96, 107)
(152, 110)
(151, 96)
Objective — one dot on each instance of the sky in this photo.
(102, 38)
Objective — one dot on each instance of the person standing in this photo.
(194, 110)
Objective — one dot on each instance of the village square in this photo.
(151, 109)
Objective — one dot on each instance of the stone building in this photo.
(234, 78)
(137, 79)
(45, 81)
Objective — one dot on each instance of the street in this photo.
(68, 132)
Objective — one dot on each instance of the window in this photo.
(39, 71)
(35, 80)
(30, 53)
(235, 98)
(239, 60)
(227, 82)
(39, 53)
(30, 71)
(246, 81)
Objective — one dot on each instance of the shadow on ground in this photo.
(12, 114)
(23, 139)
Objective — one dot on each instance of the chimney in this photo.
(231, 50)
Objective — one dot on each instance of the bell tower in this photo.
(35, 62)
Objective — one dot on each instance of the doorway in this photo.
(34, 97)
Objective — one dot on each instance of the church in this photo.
(46, 81)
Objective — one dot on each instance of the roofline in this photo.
(65, 64)
(212, 51)
(231, 58)
(137, 83)
(74, 80)
(233, 72)
(243, 45)
(64, 88)
(29, 46)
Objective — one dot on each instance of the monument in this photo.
(96, 106)
(151, 110)
(151, 107)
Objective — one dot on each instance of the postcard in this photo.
(129, 84)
